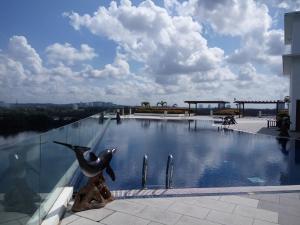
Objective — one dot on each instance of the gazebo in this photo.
(221, 104)
(241, 104)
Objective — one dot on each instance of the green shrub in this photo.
(160, 110)
(226, 112)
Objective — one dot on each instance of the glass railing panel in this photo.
(34, 172)
(58, 163)
(55, 161)
(20, 196)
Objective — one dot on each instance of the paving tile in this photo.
(162, 203)
(186, 220)
(261, 222)
(262, 214)
(84, 221)
(119, 218)
(289, 202)
(285, 219)
(295, 195)
(95, 214)
(125, 206)
(214, 197)
(266, 197)
(68, 218)
(228, 218)
(281, 209)
(189, 210)
(156, 215)
(193, 200)
(216, 205)
(239, 200)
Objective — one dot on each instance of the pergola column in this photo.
(243, 109)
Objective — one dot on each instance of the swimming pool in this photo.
(203, 156)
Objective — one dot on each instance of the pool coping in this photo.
(186, 192)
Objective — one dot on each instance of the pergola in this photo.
(204, 102)
(241, 104)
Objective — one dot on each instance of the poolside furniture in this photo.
(229, 120)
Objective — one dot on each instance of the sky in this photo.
(126, 52)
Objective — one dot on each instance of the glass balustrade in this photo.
(34, 172)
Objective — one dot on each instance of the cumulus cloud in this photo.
(21, 51)
(66, 53)
(24, 77)
(167, 45)
(167, 48)
(118, 69)
(229, 17)
(289, 5)
(250, 20)
(265, 49)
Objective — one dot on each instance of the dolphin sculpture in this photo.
(90, 164)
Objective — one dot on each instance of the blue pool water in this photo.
(203, 156)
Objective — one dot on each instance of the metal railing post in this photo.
(145, 171)
(169, 171)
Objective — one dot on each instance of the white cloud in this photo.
(229, 17)
(21, 51)
(247, 73)
(166, 45)
(118, 69)
(66, 53)
(289, 5)
(24, 77)
(249, 20)
(264, 48)
(175, 61)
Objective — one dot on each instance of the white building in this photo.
(291, 64)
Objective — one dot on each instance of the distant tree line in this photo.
(14, 120)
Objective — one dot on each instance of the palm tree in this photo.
(145, 104)
(161, 103)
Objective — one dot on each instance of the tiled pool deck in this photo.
(205, 206)
(242, 209)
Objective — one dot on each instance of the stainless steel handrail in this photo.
(169, 171)
(145, 171)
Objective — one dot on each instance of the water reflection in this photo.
(282, 141)
(19, 195)
(145, 124)
(192, 125)
(203, 157)
(75, 125)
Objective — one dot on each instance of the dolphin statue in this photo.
(90, 164)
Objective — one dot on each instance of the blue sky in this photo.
(131, 51)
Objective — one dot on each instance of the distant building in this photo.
(291, 65)
(221, 105)
(75, 107)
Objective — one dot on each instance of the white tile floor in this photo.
(202, 210)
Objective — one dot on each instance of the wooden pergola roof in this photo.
(205, 102)
(258, 102)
